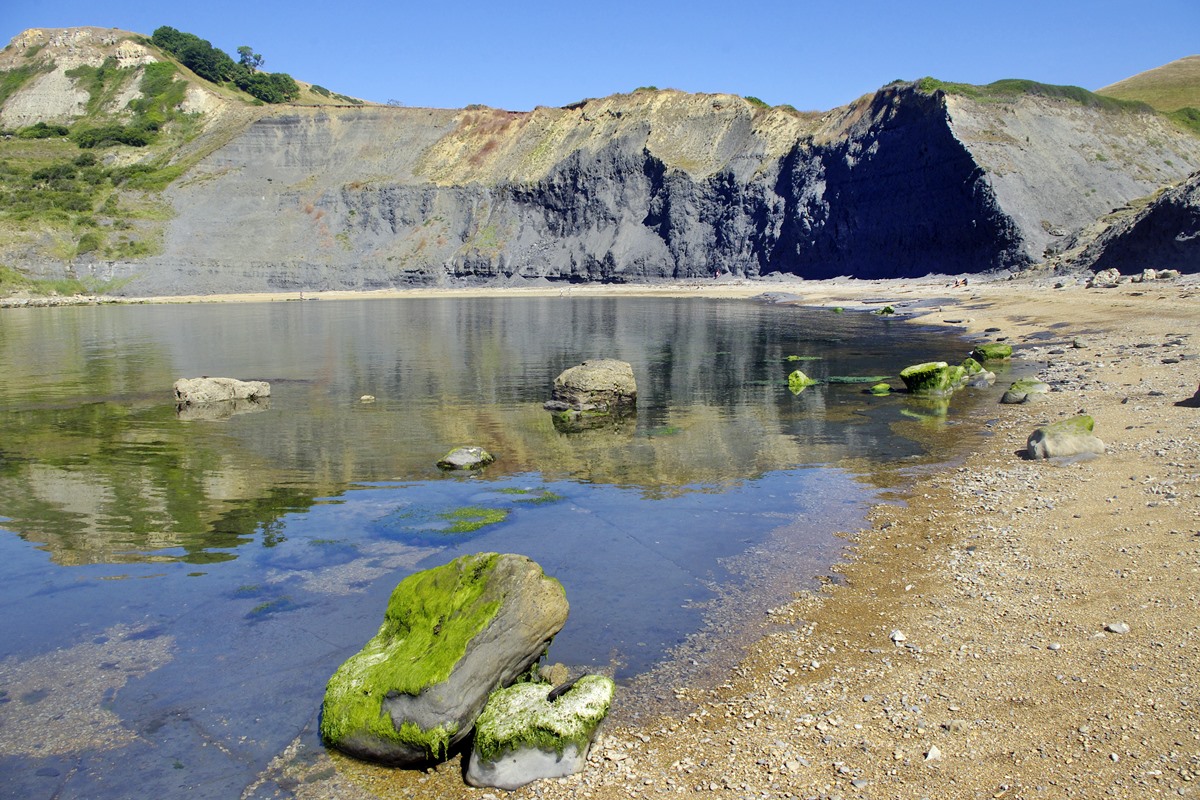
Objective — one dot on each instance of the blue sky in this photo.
(518, 55)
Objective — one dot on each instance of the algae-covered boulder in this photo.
(449, 637)
(881, 389)
(471, 457)
(528, 731)
(1067, 437)
(604, 384)
(798, 382)
(1025, 390)
(992, 352)
(930, 378)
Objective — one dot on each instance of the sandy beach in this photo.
(1009, 628)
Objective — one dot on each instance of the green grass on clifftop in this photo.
(1011, 89)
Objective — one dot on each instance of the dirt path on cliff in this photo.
(973, 647)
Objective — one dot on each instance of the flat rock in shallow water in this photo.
(196, 391)
(472, 457)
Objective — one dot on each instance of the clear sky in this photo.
(520, 54)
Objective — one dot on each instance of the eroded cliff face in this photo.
(652, 185)
(1162, 234)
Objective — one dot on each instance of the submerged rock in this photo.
(1067, 437)
(449, 637)
(196, 391)
(528, 731)
(470, 457)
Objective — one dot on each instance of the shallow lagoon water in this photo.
(176, 592)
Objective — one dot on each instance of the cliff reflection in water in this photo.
(96, 467)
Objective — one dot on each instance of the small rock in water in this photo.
(1116, 627)
(367, 398)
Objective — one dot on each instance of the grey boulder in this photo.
(472, 457)
(1067, 437)
(604, 384)
(197, 391)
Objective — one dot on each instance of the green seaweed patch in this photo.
(803, 358)
(886, 311)
(855, 378)
(531, 497)
(837, 309)
(664, 430)
(431, 618)
(269, 607)
(522, 717)
(471, 518)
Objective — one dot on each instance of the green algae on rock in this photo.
(450, 635)
(997, 351)
(525, 734)
(931, 377)
(798, 382)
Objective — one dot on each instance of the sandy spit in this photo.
(973, 646)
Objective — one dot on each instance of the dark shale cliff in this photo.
(652, 185)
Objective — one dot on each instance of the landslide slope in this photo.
(915, 178)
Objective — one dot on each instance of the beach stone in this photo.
(604, 384)
(470, 457)
(196, 391)
(1117, 627)
(1025, 390)
(1105, 279)
(449, 637)
(1067, 437)
(997, 351)
(529, 731)
(932, 378)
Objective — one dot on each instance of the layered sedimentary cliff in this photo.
(642, 186)
(654, 186)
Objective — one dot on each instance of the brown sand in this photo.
(1001, 573)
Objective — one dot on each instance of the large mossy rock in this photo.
(604, 384)
(1067, 437)
(450, 636)
(527, 732)
(936, 378)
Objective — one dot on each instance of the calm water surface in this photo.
(174, 592)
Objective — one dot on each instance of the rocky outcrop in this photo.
(1165, 234)
(450, 636)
